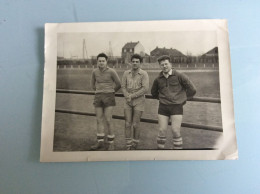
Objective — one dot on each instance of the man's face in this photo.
(135, 63)
(165, 66)
(102, 62)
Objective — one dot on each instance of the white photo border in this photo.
(228, 148)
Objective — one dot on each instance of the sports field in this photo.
(78, 132)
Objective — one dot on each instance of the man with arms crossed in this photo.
(135, 84)
(105, 82)
(172, 88)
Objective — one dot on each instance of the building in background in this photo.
(210, 56)
(175, 55)
(131, 48)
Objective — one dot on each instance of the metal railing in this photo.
(146, 120)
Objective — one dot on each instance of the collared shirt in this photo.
(106, 81)
(135, 85)
(175, 89)
(167, 74)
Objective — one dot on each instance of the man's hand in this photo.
(128, 98)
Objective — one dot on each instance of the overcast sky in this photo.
(195, 42)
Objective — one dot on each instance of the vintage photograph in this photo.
(129, 91)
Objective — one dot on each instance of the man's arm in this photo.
(144, 88)
(155, 89)
(123, 84)
(116, 80)
(93, 81)
(188, 86)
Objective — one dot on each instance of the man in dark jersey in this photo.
(105, 82)
(172, 89)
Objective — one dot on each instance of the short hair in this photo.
(137, 56)
(164, 57)
(102, 55)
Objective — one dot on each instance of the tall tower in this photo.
(84, 50)
(110, 52)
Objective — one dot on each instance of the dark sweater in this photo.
(175, 89)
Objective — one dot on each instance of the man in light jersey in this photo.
(105, 82)
(135, 84)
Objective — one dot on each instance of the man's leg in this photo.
(176, 130)
(100, 129)
(108, 119)
(163, 124)
(136, 127)
(128, 127)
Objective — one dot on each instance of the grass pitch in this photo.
(78, 133)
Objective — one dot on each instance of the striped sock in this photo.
(110, 138)
(100, 137)
(99, 143)
(128, 143)
(177, 142)
(135, 143)
(161, 140)
(110, 141)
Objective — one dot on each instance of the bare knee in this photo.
(100, 120)
(135, 125)
(176, 134)
(161, 131)
(176, 130)
(128, 124)
(108, 119)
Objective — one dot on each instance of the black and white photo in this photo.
(154, 90)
